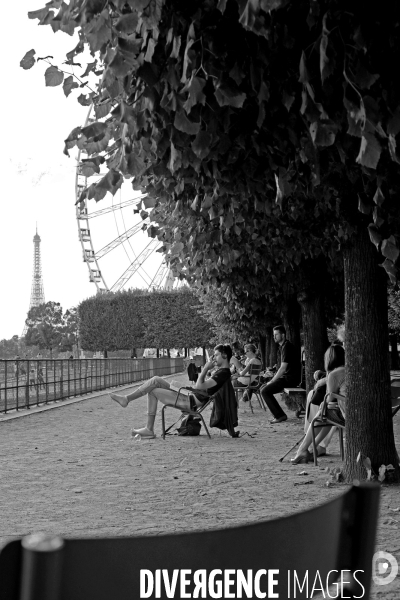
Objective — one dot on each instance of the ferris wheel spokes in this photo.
(83, 213)
(149, 249)
(119, 240)
(158, 277)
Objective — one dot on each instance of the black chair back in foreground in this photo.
(290, 556)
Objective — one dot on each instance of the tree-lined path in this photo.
(76, 471)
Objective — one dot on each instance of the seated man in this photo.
(158, 388)
(288, 374)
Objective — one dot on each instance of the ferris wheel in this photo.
(115, 247)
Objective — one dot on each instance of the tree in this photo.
(235, 117)
(45, 326)
(69, 337)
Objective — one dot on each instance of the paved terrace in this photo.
(74, 470)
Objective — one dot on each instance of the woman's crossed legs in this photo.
(157, 390)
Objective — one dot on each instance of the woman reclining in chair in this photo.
(158, 389)
(336, 383)
(242, 378)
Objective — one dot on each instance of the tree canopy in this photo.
(139, 319)
(231, 114)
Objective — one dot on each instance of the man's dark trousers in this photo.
(268, 391)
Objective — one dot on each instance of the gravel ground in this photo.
(76, 471)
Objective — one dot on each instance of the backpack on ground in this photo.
(190, 426)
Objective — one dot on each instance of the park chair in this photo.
(323, 420)
(253, 387)
(40, 567)
(194, 413)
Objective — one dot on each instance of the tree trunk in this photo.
(369, 424)
(394, 354)
(168, 353)
(204, 355)
(273, 352)
(186, 352)
(263, 347)
(158, 352)
(268, 342)
(105, 354)
(314, 332)
(291, 315)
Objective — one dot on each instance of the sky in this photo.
(38, 181)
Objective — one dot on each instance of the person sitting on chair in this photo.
(242, 379)
(288, 374)
(336, 383)
(158, 389)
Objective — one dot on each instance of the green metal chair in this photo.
(51, 568)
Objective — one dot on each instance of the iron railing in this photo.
(27, 383)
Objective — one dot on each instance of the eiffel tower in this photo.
(37, 290)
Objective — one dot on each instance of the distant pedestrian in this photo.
(40, 378)
(32, 378)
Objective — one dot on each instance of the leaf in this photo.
(303, 69)
(379, 198)
(287, 100)
(392, 149)
(393, 126)
(149, 202)
(38, 14)
(195, 204)
(101, 110)
(201, 144)
(135, 164)
(222, 5)
(390, 269)
(389, 249)
(98, 31)
(182, 123)
(95, 129)
(175, 159)
(111, 182)
(323, 135)
(370, 151)
(176, 47)
(377, 219)
(29, 60)
(207, 202)
(53, 76)
(227, 96)
(261, 115)
(374, 235)
(127, 23)
(364, 207)
(196, 95)
(69, 84)
(85, 100)
(326, 68)
(363, 79)
(186, 61)
(89, 68)
(367, 463)
(150, 50)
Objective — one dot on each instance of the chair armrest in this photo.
(336, 396)
(333, 405)
(297, 390)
